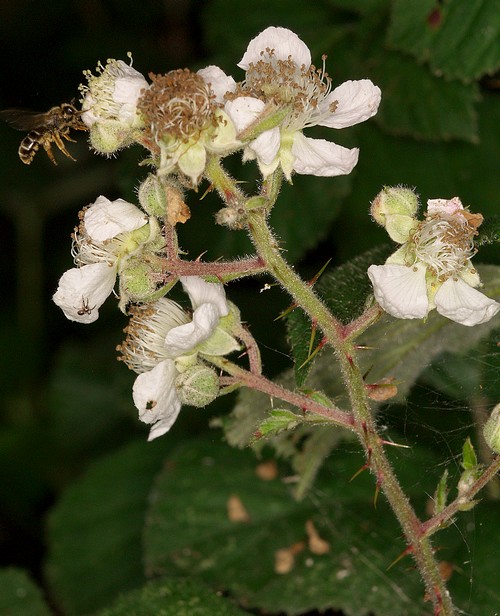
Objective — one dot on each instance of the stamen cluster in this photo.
(444, 243)
(144, 345)
(178, 105)
(284, 83)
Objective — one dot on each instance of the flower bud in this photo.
(394, 208)
(163, 199)
(197, 386)
(109, 136)
(231, 217)
(137, 280)
(491, 430)
(152, 196)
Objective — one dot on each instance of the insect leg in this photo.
(56, 137)
(47, 145)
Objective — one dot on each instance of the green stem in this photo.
(420, 546)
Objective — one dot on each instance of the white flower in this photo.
(163, 341)
(109, 106)
(280, 77)
(433, 269)
(185, 119)
(109, 232)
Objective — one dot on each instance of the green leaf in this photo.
(189, 532)
(441, 493)
(421, 105)
(19, 596)
(172, 597)
(345, 290)
(469, 458)
(277, 421)
(95, 530)
(458, 39)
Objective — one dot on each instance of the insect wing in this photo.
(22, 119)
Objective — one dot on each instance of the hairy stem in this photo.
(419, 544)
(259, 382)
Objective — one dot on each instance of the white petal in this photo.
(83, 290)
(219, 82)
(356, 102)
(459, 302)
(128, 89)
(266, 146)
(201, 292)
(183, 339)
(321, 157)
(284, 42)
(106, 219)
(244, 110)
(400, 290)
(156, 398)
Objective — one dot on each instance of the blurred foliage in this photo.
(66, 404)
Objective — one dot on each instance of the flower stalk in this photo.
(364, 425)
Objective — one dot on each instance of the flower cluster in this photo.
(432, 268)
(188, 121)
(184, 117)
(165, 344)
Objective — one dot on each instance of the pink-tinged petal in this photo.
(106, 219)
(321, 157)
(284, 42)
(457, 301)
(355, 101)
(83, 290)
(156, 398)
(444, 206)
(244, 110)
(400, 290)
(201, 292)
(183, 339)
(219, 82)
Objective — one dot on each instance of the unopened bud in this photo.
(137, 280)
(110, 136)
(152, 196)
(197, 386)
(231, 217)
(491, 430)
(394, 208)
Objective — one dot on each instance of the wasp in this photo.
(44, 129)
